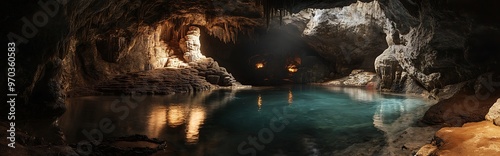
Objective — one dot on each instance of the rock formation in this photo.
(494, 113)
(190, 45)
(357, 78)
(465, 102)
(479, 138)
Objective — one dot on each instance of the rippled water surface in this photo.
(294, 120)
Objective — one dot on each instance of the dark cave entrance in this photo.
(275, 56)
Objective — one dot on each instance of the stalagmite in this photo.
(191, 45)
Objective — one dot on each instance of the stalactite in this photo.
(274, 8)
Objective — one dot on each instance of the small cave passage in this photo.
(268, 57)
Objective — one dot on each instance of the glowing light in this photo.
(290, 97)
(259, 65)
(292, 68)
(156, 121)
(259, 101)
(175, 116)
(196, 118)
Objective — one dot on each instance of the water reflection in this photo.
(328, 120)
(157, 120)
(175, 115)
(357, 94)
(395, 115)
(259, 101)
(196, 118)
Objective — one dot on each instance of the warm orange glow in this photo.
(292, 68)
(259, 65)
(175, 116)
(196, 119)
(156, 121)
(290, 97)
(259, 101)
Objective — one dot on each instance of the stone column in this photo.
(191, 45)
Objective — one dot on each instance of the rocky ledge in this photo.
(475, 138)
(357, 78)
(202, 75)
(478, 138)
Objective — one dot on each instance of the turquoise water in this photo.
(293, 120)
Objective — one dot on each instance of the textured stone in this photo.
(427, 150)
(494, 112)
(351, 36)
(497, 121)
(357, 78)
(464, 102)
(191, 45)
(213, 79)
(480, 138)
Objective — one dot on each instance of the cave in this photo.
(251, 77)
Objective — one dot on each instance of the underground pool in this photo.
(288, 120)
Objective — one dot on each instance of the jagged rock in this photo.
(494, 112)
(392, 76)
(351, 36)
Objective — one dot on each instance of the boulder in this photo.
(494, 112)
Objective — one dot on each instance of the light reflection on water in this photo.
(196, 118)
(156, 120)
(329, 120)
(175, 115)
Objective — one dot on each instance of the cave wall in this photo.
(414, 46)
(350, 37)
(435, 41)
(92, 61)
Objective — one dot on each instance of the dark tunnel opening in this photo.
(273, 56)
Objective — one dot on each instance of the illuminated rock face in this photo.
(415, 47)
(191, 45)
(478, 138)
(494, 113)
